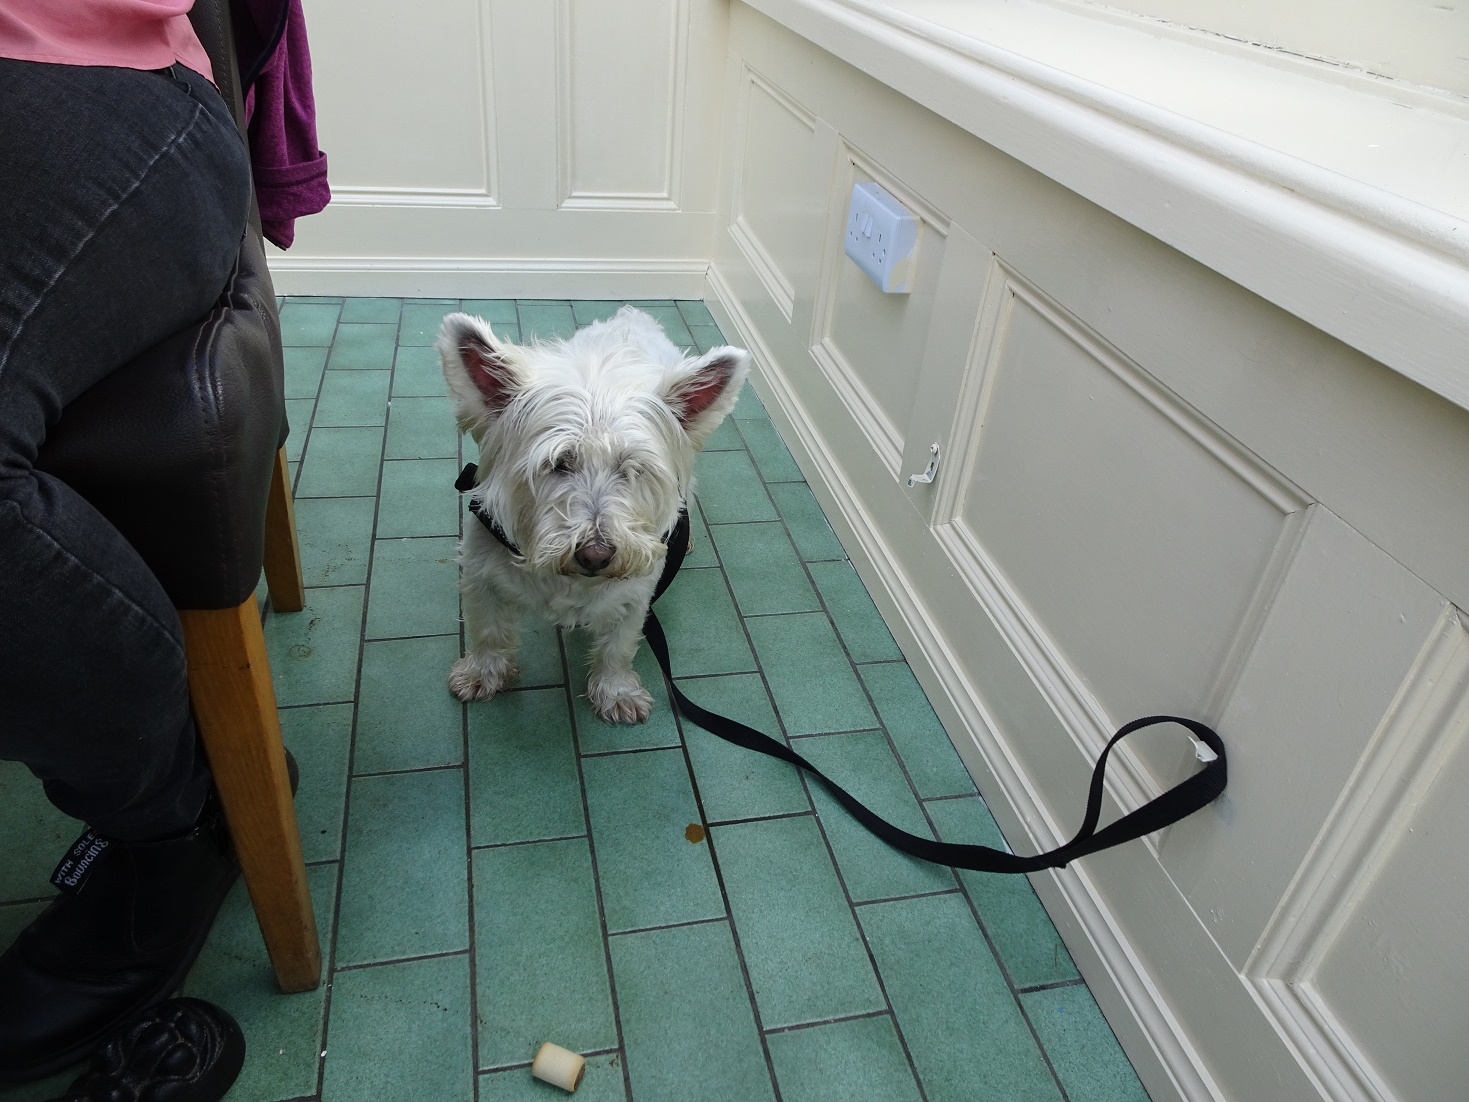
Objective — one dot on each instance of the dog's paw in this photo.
(620, 698)
(481, 676)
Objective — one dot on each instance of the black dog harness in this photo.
(675, 537)
(1181, 800)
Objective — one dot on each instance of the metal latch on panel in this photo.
(882, 237)
(929, 471)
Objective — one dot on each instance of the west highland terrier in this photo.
(587, 450)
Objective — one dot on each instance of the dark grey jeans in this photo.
(123, 197)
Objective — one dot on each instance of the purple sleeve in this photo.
(290, 171)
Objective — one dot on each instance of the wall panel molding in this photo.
(1425, 725)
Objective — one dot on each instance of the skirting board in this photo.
(452, 277)
(1166, 1061)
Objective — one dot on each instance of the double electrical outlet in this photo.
(882, 237)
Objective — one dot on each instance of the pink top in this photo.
(130, 34)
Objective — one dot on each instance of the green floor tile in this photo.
(404, 872)
(539, 656)
(856, 1061)
(414, 588)
(687, 1027)
(801, 944)
(422, 320)
(496, 311)
(641, 806)
(319, 736)
(750, 407)
(858, 622)
(602, 1082)
(813, 684)
(968, 1039)
(772, 457)
(401, 1032)
(523, 781)
(352, 399)
(864, 765)
(36, 835)
(283, 1032)
(1083, 1050)
(703, 628)
(1023, 934)
(540, 960)
(360, 347)
(418, 374)
(313, 653)
(586, 311)
(729, 490)
(372, 309)
(298, 416)
(927, 753)
(341, 463)
(725, 438)
(335, 534)
(695, 312)
(406, 717)
(422, 428)
(702, 552)
(303, 370)
(706, 337)
(763, 569)
(672, 322)
(545, 321)
(597, 736)
(418, 498)
(809, 530)
(735, 783)
(308, 323)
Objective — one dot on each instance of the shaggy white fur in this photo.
(587, 450)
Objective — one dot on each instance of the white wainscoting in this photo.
(514, 148)
(1141, 507)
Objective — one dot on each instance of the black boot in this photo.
(182, 1050)
(130, 920)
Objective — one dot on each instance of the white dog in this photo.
(587, 451)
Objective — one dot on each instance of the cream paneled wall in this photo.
(513, 147)
(1157, 493)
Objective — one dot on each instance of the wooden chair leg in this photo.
(234, 704)
(282, 551)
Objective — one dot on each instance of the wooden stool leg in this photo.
(282, 551)
(234, 704)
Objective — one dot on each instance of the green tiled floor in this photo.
(493, 876)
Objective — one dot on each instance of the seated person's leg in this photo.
(123, 196)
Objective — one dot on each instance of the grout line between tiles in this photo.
(798, 1026)
(668, 926)
(586, 810)
(903, 898)
(1057, 986)
(358, 967)
(528, 841)
(331, 962)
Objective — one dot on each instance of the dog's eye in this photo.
(565, 463)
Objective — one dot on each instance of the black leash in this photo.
(1182, 800)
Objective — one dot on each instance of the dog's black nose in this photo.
(594, 557)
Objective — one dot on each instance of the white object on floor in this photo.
(559, 1067)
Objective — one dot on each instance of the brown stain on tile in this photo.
(694, 833)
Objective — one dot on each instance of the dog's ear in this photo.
(479, 368)
(704, 390)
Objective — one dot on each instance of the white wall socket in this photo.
(882, 237)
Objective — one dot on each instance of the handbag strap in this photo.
(1181, 800)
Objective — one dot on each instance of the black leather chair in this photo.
(182, 450)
